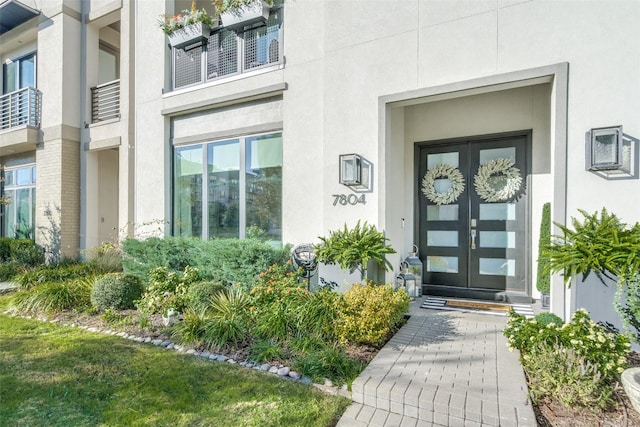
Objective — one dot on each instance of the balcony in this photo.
(105, 102)
(21, 108)
(20, 118)
(228, 53)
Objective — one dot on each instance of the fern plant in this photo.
(353, 249)
(601, 244)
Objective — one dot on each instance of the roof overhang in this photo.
(14, 13)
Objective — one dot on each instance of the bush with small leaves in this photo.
(199, 294)
(116, 291)
(167, 289)
(370, 312)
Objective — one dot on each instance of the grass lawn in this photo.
(60, 376)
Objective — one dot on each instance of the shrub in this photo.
(55, 297)
(167, 289)
(106, 257)
(561, 373)
(227, 323)
(543, 281)
(58, 272)
(353, 249)
(199, 294)
(230, 261)
(9, 270)
(266, 350)
(276, 300)
(606, 351)
(192, 327)
(319, 313)
(370, 312)
(116, 291)
(329, 362)
(5, 249)
(546, 318)
(629, 307)
(26, 252)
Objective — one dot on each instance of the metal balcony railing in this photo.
(21, 108)
(105, 101)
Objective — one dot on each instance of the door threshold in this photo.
(478, 294)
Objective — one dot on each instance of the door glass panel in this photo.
(498, 266)
(442, 264)
(442, 238)
(497, 239)
(9, 73)
(9, 217)
(498, 211)
(28, 72)
(450, 159)
(23, 214)
(223, 166)
(497, 153)
(442, 213)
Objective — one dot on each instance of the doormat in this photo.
(476, 306)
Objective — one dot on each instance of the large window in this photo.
(19, 73)
(228, 52)
(19, 191)
(230, 188)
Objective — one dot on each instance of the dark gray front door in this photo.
(475, 240)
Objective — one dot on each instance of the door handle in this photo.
(473, 238)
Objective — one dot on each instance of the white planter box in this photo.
(255, 11)
(189, 35)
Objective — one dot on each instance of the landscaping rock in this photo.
(222, 358)
(328, 382)
(147, 340)
(156, 342)
(164, 343)
(233, 362)
(191, 351)
(294, 375)
(631, 384)
(171, 346)
(273, 370)
(284, 371)
(205, 354)
(213, 357)
(306, 380)
(265, 367)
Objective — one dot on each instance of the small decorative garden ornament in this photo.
(498, 180)
(443, 171)
(169, 317)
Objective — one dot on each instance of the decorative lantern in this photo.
(414, 266)
(408, 282)
(350, 169)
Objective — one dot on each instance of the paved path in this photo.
(443, 368)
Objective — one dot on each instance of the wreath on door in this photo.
(501, 171)
(447, 172)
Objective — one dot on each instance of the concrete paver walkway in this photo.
(446, 369)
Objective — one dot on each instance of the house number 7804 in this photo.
(351, 199)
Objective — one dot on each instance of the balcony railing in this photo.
(105, 102)
(229, 52)
(21, 108)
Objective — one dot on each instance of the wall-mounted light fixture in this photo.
(350, 169)
(604, 148)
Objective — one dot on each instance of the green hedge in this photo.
(229, 261)
(543, 282)
(20, 251)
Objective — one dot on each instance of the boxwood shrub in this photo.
(116, 290)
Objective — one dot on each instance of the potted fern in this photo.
(188, 27)
(234, 13)
(353, 249)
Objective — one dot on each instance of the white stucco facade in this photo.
(367, 77)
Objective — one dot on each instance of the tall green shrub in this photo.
(543, 282)
(116, 290)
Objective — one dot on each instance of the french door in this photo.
(472, 214)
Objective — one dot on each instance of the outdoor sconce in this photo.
(604, 148)
(350, 169)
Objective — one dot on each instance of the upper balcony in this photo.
(229, 53)
(20, 118)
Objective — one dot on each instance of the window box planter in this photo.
(255, 11)
(194, 33)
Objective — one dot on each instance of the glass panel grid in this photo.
(442, 238)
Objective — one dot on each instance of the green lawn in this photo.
(60, 376)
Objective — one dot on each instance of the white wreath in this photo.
(443, 171)
(501, 168)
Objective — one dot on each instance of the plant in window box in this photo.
(235, 13)
(188, 27)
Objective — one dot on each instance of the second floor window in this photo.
(229, 52)
(19, 73)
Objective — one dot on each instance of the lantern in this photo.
(408, 282)
(413, 265)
